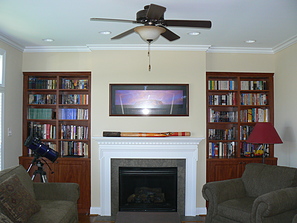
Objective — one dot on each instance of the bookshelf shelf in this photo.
(56, 109)
(234, 103)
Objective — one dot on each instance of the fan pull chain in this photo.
(149, 56)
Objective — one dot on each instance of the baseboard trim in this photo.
(201, 211)
(95, 210)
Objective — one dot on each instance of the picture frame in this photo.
(149, 100)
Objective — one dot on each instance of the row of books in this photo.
(36, 83)
(222, 99)
(222, 134)
(74, 84)
(223, 116)
(254, 99)
(73, 113)
(74, 148)
(222, 149)
(221, 85)
(255, 115)
(42, 99)
(74, 132)
(245, 131)
(41, 83)
(254, 85)
(76, 99)
(42, 131)
(40, 113)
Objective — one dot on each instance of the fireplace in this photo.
(148, 149)
(152, 189)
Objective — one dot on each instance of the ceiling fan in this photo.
(152, 16)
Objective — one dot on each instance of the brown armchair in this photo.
(264, 193)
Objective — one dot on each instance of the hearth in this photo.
(152, 189)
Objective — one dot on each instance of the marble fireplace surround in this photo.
(148, 148)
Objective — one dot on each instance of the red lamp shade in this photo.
(264, 133)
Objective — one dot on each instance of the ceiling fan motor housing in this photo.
(141, 17)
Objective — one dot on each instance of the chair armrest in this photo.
(56, 191)
(273, 203)
(220, 191)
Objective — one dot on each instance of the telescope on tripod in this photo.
(40, 150)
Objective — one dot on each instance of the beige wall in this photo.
(240, 62)
(13, 102)
(132, 67)
(286, 105)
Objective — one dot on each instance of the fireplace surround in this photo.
(180, 164)
(148, 148)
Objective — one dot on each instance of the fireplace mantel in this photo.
(148, 148)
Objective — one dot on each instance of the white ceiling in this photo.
(272, 23)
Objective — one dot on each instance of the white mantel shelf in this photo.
(148, 148)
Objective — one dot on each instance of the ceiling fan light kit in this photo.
(149, 33)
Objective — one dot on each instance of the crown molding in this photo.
(285, 44)
(240, 50)
(56, 49)
(11, 43)
(95, 47)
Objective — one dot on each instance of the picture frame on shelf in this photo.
(149, 100)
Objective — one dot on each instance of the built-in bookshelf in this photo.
(235, 103)
(56, 110)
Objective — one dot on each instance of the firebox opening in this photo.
(148, 189)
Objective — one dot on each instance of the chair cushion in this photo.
(55, 212)
(261, 178)
(237, 209)
(15, 201)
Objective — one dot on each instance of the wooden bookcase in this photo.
(57, 110)
(235, 103)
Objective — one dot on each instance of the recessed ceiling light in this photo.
(105, 32)
(48, 40)
(193, 33)
(250, 41)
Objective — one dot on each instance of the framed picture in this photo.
(149, 100)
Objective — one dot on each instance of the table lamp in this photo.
(264, 133)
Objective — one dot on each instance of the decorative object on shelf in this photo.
(144, 134)
(149, 100)
(264, 133)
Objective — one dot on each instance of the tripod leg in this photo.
(44, 179)
(28, 170)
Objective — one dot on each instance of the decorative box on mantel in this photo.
(148, 148)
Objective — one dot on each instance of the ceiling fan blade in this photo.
(169, 35)
(155, 11)
(188, 23)
(128, 32)
(113, 20)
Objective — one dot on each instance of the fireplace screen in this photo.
(148, 189)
